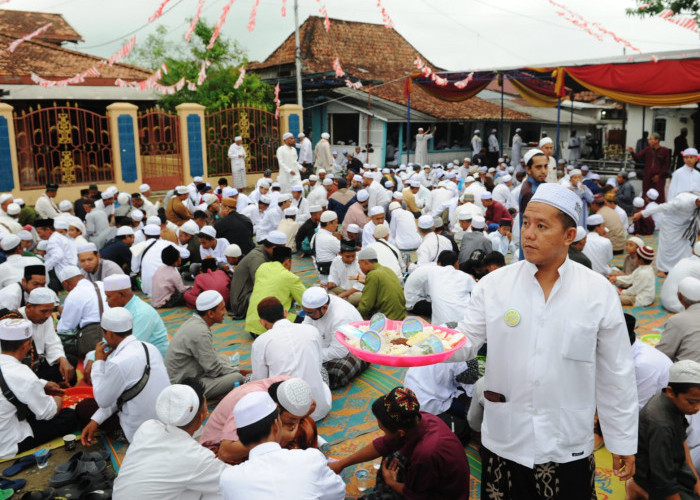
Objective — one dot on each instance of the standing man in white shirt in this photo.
(477, 142)
(45, 206)
(687, 177)
(516, 151)
(290, 170)
(12, 270)
(558, 350)
(237, 155)
(493, 149)
(324, 158)
(306, 153)
(422, 139)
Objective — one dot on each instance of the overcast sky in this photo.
(454, 34)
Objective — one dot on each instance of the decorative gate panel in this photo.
(161, 158)
(64, 145)
(261, 138)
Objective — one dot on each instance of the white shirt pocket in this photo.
(579, 342)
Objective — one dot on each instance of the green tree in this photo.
(185, 59)
(653, 7)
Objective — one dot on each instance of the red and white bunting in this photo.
(78, 78)
(253, 16)
(241, 76)
(388, 23)
(463, 83)
(277, 100)
(337, 68)
(203, 72)
(284, 8)
(681, 20)
(326, 20)
(3, 1)
(121, 53)
(158, 12)
(219, 24)
(25, 38)
(442, 82)
(353, 85)
(195, 19)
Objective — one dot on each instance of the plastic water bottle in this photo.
(235, 359)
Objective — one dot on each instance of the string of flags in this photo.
(353, 85)
(158, 12)
(239, 82)
(326, 20)
(338, 70)
(253, 16)
(284, 8)
(219, 24)
(277, 100)
(681, 20)
(195, 19)
(466, 81)
(19, 41)
(388, 23)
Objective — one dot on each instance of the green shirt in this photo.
(272, 279)
(382, 293)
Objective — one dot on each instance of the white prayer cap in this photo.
(209, 231)
(486, 196)
(478, 222)
(301, 134)
(327, 182)
(469, 179)
(507, 178)
(585, 168)
(594, 220)
(653, 194)
(64, 206)
(42, 295)
(283, 197)
(144, 188)
(394, 205)
(252, 408)
(386, 171)
(426, 222)
(357, 178)
(491, 170)
(177, 405)
(153, 219)
(295, 396)
(42, 245)
(381, 231)
(15, 329)
(518, 130)
(632, 175)
(362, 195)
(368, 175)
(210, 199)
(117, 319)
(438, 221)
(88, 247)
(127, 231)
(123, 198)
(264, 199)
(13, 209)
(313, 177)
(353, 228)
(136, 215)
(595, 177)
(376, 211)
(298, 188)
(208, 299)
(106, 195)
(389, 184)
(262, 183)
(275, 185)
(149, 230)
(500, 160)
(328, 216)
(575, 171)
(464, 216)
(197, 178)
(314, 297)
(477, 131)
(561, 161)
(367, 253)
(684, 372)
(190, 227)
(398, 195)
(334, 152)
(581, 233)
(638, 202)
(636, 240)
(237, 138)
(414, 184)
(287, 135)
(60, 223)
(689, 287)
(466, 158)
(493, 130)
(8, 196)
(10, 241)
(78, 224)
(561, 198)
(315, 208)
(483, 169)
(276, 238)
(19, 201)
(233, 250)
(451, 175)
(291, 211)
(690, 152)
(181, 190)
(528, 156)
(115, 282)
(545, 140)
(325, 135)
(67, 272)
(25, 235)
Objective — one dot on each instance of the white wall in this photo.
(676, 119)
(375, 138)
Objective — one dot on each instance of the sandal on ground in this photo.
(75, 469)
(82, 456)
(45, 494)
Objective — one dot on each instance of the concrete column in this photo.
(292, 120)
(9, 168)
(193, 141)
(126, 152)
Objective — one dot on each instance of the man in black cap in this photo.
(14, 296)
(45, 206)
(236, 228)
(78, 204)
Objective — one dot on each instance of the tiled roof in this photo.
(18, 23)
(471, 109)
(56, 63)
(368, 51)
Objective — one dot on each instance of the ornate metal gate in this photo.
(259, 130)
(161, 158)
(65, 145)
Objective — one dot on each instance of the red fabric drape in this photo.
(451, 93)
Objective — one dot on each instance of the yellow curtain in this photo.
(534, 98)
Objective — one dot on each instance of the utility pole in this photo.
(297, 59)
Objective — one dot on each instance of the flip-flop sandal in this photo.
(45, 494)
(5, 494)
(98, 495)
(75, 470)
(84, 485)
(21, 464)
(17, 484)
(82, 456)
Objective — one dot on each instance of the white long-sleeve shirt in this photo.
(555, 361)
(46, 207)
(476, 144)
(684, 179)
(404, 233)
(429, 250)
(651, 371)
(341, 272)
(389, 256)
(306, 151)
(449, 290)
(599, 251)
(340, 312)
(669, 289)
(218, 253)
(294, 350)
(46, 340)
(493, 144)
(150, 262)
(416, 287)
(327, 246)
(318, 196)
(642, 284)
(289, 167)
(435, 386)
(501, 194)
(60, 252)
(81, 306)
(237, 156)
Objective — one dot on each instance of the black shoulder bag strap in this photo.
(143, 254)
(22, 302)
(389, 247)
(22, 409)
(136, 389)
(99, 299)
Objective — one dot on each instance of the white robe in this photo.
(516, 150)
(669, 290)
(684, 179)
(421, 157)
(449, 290)
(289, 168)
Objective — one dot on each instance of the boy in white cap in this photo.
(290, 169)
(687, 177)
(684, 268)
(343, 280)
(163, 461)
(148, 207)
(212, 247)
(93, 267)
(297, 473)
(127, 377)
(639, 288)
(15, 295)
(30, 408)
(357, 212)
(377, 216)
(237, 155)
(531, 406)
(12, 270)
(272, 217)
(192, 353)
(598, 248)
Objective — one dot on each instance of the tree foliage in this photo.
(653, 7)
(185, 59)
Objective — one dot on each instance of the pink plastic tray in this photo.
(384, 359)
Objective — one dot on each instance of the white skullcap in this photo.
(362, 195)
(298, 188)
(25, 235)
(228, 192)
(123, 198)
(10, 241)
(545, 140)
(277, 238)
(469, 179)
(15, 329)
(197, 178)
(353, 228)
(208, 299)
(64, 206)
(381, 231)
(136, 215)
(367, 253)
(209, 231)
(262, 183)
(181, 190)
(478, 222)
(594, 220)
(13, 209)
(653, 194)
(632, 175)
(486, 196)
(287, 135)
(283, 197)
(315, 208)
(357, 178)
(150, 230)
(575, 171)
(426, 222)
(561, 198)
(300, 135)
(233, 250)
(595, 177)
(190, 227)
(252, 408)
(276, 185)
(389, 184)
(636, 240)
(127, 231)
(177, 405)
(398, 195)
(689, 288)
(507, 178)
(464, 216)
(394, 205)
(314, 297)
(60, 223)
(153, 219)
(313, 177)
(144, 188)
(112, 190)
(528, 156)
(638, 202)
(88, 247)
(376, 211)
(368, 175)
(690, 152)
(42, 245)
(325, 135)
(294, 395)
(492, 170)
(477, 131)
(106, 195)
(486, 169)
(580, 234)
(78, 224)
(19, 201)
(115, 282)
(237, 138)
(684, 372)
(328, 216)
(264, 199)
(291, 211)
(42, 295)
(210, 199)
(67, 272)
(8, 196)
(327, 182)
(414, 184)
(117, 319)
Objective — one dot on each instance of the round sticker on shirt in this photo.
(512, 317)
